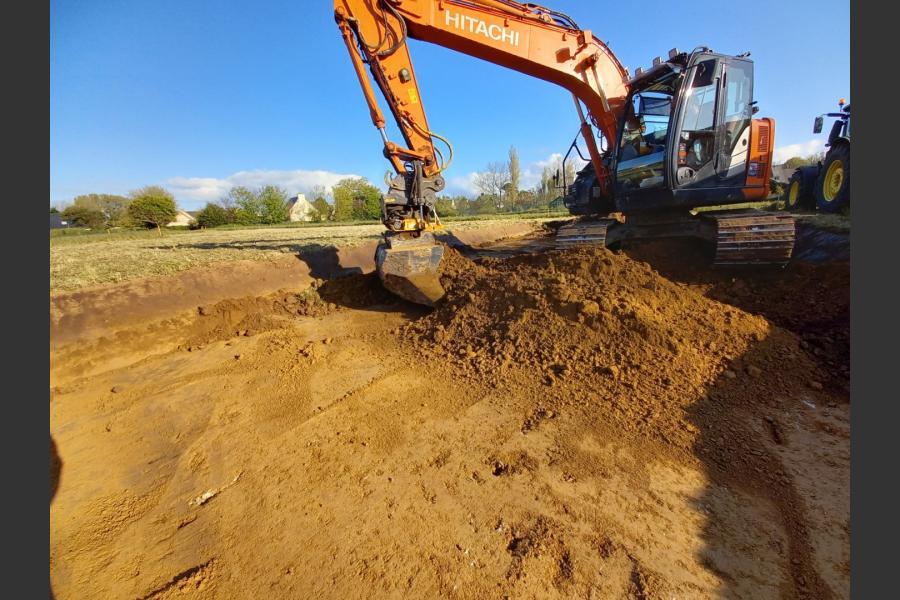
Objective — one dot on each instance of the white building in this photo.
(301, 208)
(182, 219)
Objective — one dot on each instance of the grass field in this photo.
(79, 259)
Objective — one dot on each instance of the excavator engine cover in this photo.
(408, 264)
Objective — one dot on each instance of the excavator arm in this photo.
(527, 38)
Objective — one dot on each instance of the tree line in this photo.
(801, 161)
(352, 199)
(500, 191)
(151, 206)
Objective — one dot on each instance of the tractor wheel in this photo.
(833, 184)
(799, 192)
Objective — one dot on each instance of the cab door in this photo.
(736, 114)
(713, 130)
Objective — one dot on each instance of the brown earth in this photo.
(579, 424)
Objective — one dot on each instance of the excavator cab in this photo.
(711, 160)
(685, 140)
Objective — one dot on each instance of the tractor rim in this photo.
(793, 193)
(834, 179)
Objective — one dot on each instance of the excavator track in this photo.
(752, 237)
(740, 237)
(591, 233)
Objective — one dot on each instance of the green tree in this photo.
(461, 204)
(550, 187)
(485, 204)
(356, 199)
(316, 192)
(322, 209)
(445, 207)
(512, 188)
(247, 207)
(802, 161)
(54, 210)
(152, 206)
(318, 198)
(213, 215)
(527, 199)
(84, 217)
(114, 208)
(273, 205)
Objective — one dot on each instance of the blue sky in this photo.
(199, 96)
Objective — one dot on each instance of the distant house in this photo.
(781, 173)
(301, 209)
(56, 221)
(182, 219)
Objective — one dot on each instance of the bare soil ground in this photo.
(579, 424)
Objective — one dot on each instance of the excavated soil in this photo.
(568, 424)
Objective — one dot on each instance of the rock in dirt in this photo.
(589, 308)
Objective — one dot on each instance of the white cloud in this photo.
(802, 149)
(464, 185)
(197, 190)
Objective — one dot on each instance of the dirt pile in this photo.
(590, 325)
(811, 300)
(607, 340)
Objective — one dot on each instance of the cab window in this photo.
(646, 125)
(643, 142)
(697, 142)
(738, 109)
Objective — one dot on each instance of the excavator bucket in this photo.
(409, 266)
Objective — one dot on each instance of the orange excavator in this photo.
(660, 143)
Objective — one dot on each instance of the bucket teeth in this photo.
(409, 266)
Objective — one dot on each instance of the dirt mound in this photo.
(810, 300)
(603, 336)
(592, 325)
